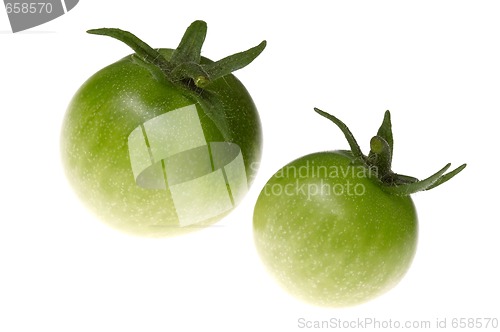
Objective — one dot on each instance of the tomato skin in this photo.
(331, 247)
(118, 99)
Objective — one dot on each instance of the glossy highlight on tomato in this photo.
(339, 228)
(163, 141)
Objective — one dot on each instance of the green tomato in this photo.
(332, 238)
(164, 141)
(339, 228)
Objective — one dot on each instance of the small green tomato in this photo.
(339, 228)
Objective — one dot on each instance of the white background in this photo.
(434, 64)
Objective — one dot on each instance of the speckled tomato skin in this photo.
(115, 101)
(331, 247)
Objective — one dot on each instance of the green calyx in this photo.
(380, 158)
(185, 62)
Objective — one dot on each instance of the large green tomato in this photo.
(339, 228)
(159, 148)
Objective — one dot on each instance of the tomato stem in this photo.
(189, 49)
(185, 62)
(380, 156)
(355, 149)
(142, 49)
(385, 131)
(380, 159)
